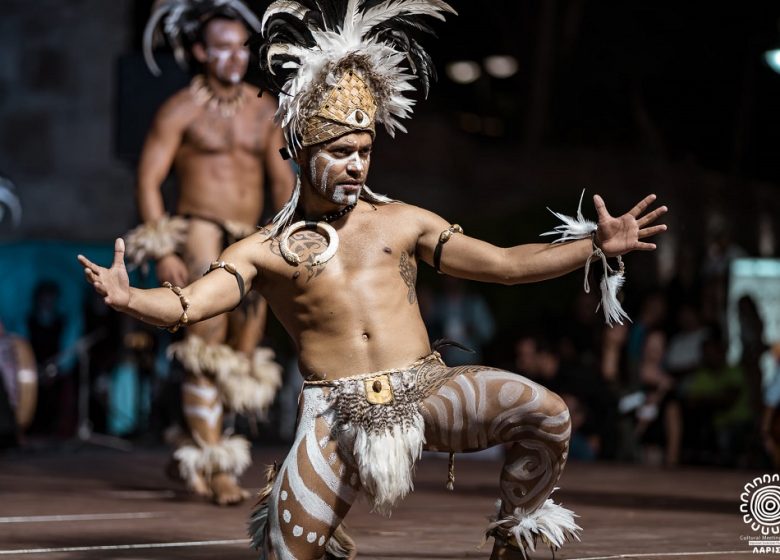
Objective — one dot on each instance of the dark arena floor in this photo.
(96, 504)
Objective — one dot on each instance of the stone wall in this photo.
(57, 81)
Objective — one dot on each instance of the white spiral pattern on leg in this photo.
(472, 438)
(453, 398)
(440, 410)
(519, 411)
(509, 394)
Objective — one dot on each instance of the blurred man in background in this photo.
(220, 140)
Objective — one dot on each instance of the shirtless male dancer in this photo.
(221, 141)
(342, 282)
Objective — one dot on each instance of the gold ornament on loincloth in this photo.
(379, 390)
(207, 97)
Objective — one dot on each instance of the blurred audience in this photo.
(716, 406)
(462, 317)
(659, 418)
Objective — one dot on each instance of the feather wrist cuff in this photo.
(573, 229)
(154, 240)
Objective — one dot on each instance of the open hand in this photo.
(621, 235)
(111, 283)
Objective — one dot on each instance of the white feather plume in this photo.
(610, 286)
(332, 46)
(572, 228)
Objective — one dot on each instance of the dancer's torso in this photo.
(219, 163)
(358, 312)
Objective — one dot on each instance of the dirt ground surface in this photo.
(97, 504)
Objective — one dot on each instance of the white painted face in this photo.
(227, 58)
(338, 169)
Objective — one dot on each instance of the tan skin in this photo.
(220, 163)
(353, 314)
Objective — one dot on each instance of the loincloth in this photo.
(231, 230)
(377, 422)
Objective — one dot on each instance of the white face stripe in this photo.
(338, 196)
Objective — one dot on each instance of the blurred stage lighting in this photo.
(463, 71)
(501, 66)
(772, 58)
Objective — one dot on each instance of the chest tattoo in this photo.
(306, 244)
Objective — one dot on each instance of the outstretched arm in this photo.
(470, 258)
(208, 296)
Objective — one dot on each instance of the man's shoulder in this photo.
(180, 106)
(403, 211)
(262, 104)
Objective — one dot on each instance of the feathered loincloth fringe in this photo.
(384, 440)
(386, 460)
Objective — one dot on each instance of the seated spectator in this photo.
(684, 352)
(717, 407)
(658, 419)
(770, 425)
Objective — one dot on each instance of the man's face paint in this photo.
(226, 56)
(338, 170)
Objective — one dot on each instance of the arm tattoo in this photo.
(409, 275)
(307, 244)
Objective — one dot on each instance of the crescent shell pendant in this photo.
(324, 228)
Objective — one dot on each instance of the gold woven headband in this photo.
(348, 107)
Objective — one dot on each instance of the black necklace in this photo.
(333, 216)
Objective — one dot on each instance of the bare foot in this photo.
(226, 491)
(197, 484)
(505, 552)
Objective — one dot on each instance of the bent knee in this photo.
(554, 405)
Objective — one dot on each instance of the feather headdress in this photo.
(181, 23)
(340, 66)
(309, 48)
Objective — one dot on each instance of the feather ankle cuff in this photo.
(552, 523)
